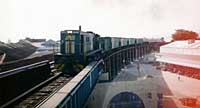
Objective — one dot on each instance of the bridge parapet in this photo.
(75, 93)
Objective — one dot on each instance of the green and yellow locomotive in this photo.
(77, 49)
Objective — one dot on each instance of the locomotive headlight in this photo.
(69, 31)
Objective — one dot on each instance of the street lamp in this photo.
(138, 67)
(124, 66)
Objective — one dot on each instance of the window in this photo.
(87, 39)
(70, 44)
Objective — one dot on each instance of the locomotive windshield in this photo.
(70, 44)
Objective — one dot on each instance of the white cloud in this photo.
(46, 18)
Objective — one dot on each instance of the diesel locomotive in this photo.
(78, 48)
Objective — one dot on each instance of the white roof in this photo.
(184, 60)
(182, 53)
(37, 44)
(183, 44)
(182, 47)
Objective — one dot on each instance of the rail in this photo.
(21, 69)
(16, 83)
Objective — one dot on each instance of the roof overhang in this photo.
(179, 59)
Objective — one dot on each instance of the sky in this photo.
(118, 18)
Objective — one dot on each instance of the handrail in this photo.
(20, 69)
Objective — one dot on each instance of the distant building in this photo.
(181, 57)
(35, 40)
(44, 46)
(15, 51)
(49, 45)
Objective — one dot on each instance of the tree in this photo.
(181, 34)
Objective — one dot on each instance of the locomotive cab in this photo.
(78, 47)
(69, 40)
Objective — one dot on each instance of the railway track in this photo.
(42, 93)
(23, 62)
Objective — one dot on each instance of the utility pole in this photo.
(138, 67)
(53, 46)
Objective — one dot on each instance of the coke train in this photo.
(78, 48)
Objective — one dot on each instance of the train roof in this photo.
(120, 37)
(78, 31)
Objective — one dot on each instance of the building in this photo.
(44, 45)
(181, 57)
(15, 51)
(35, 40)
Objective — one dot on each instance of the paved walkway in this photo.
(185, 87)
(149, 81)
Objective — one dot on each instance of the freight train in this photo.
(78, 48)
